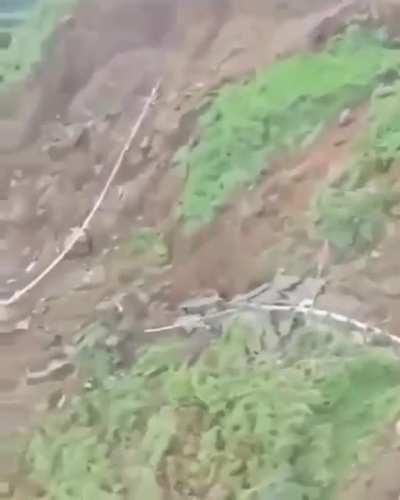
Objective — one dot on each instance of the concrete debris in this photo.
(201, 305)
(284, 282)
(189, 323)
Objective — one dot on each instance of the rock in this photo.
(83, 246)
(6, 489)
(6, 313)
(256, 292)
(145, 145)
(271, 296)
(113, 341)
(384, 91)
(219, 492)
(358, 337)
(331, 22)
(56, 370)
(201, 305)
(189, 322)
(9, 315)
(23, 325)
(307, 289)
(391, 286)
(68, 138)
(345, 117)
(95, 277)
(109, 312)
(285, 282)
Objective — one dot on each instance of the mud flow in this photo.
(96, 99)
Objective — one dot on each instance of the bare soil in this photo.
(63, 131)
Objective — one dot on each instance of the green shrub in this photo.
(239, 419)
(351, 214)
(247, 125)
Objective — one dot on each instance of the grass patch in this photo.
(238, 423)
(279, 110)
(27, 41)
(149, 244)
(352, 213)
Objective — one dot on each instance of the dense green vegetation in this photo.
(27, 39)
(279, 110)
(147, 243)
(239, 423)
(351, 213)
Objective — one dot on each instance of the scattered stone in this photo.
(219, 492)
(145, 145)
(201, 305)
(379, 340)
(83, 247)
(391, 286)
(92, 335)
(189, 322)
(345, 117)
(375, 254)
(65, 139)
(8, 313)
(330, 23)
(340, 141)
(56, 370)
(358, 337)
(54, 400)
(307, 289)
(109, 312)
(6, 489)
(283, 282)
(98, 168)
(113, 341)
(395, 211)
(271, 296)
(384, 91)
(256, 292)
(23, 325)
(94, 277)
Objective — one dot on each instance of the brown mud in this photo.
(64, 130)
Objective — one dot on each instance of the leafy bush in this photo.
(26, 47)
(277, 111)
(241, 422)
(146, 242)
(353, 218)
(352, 213)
